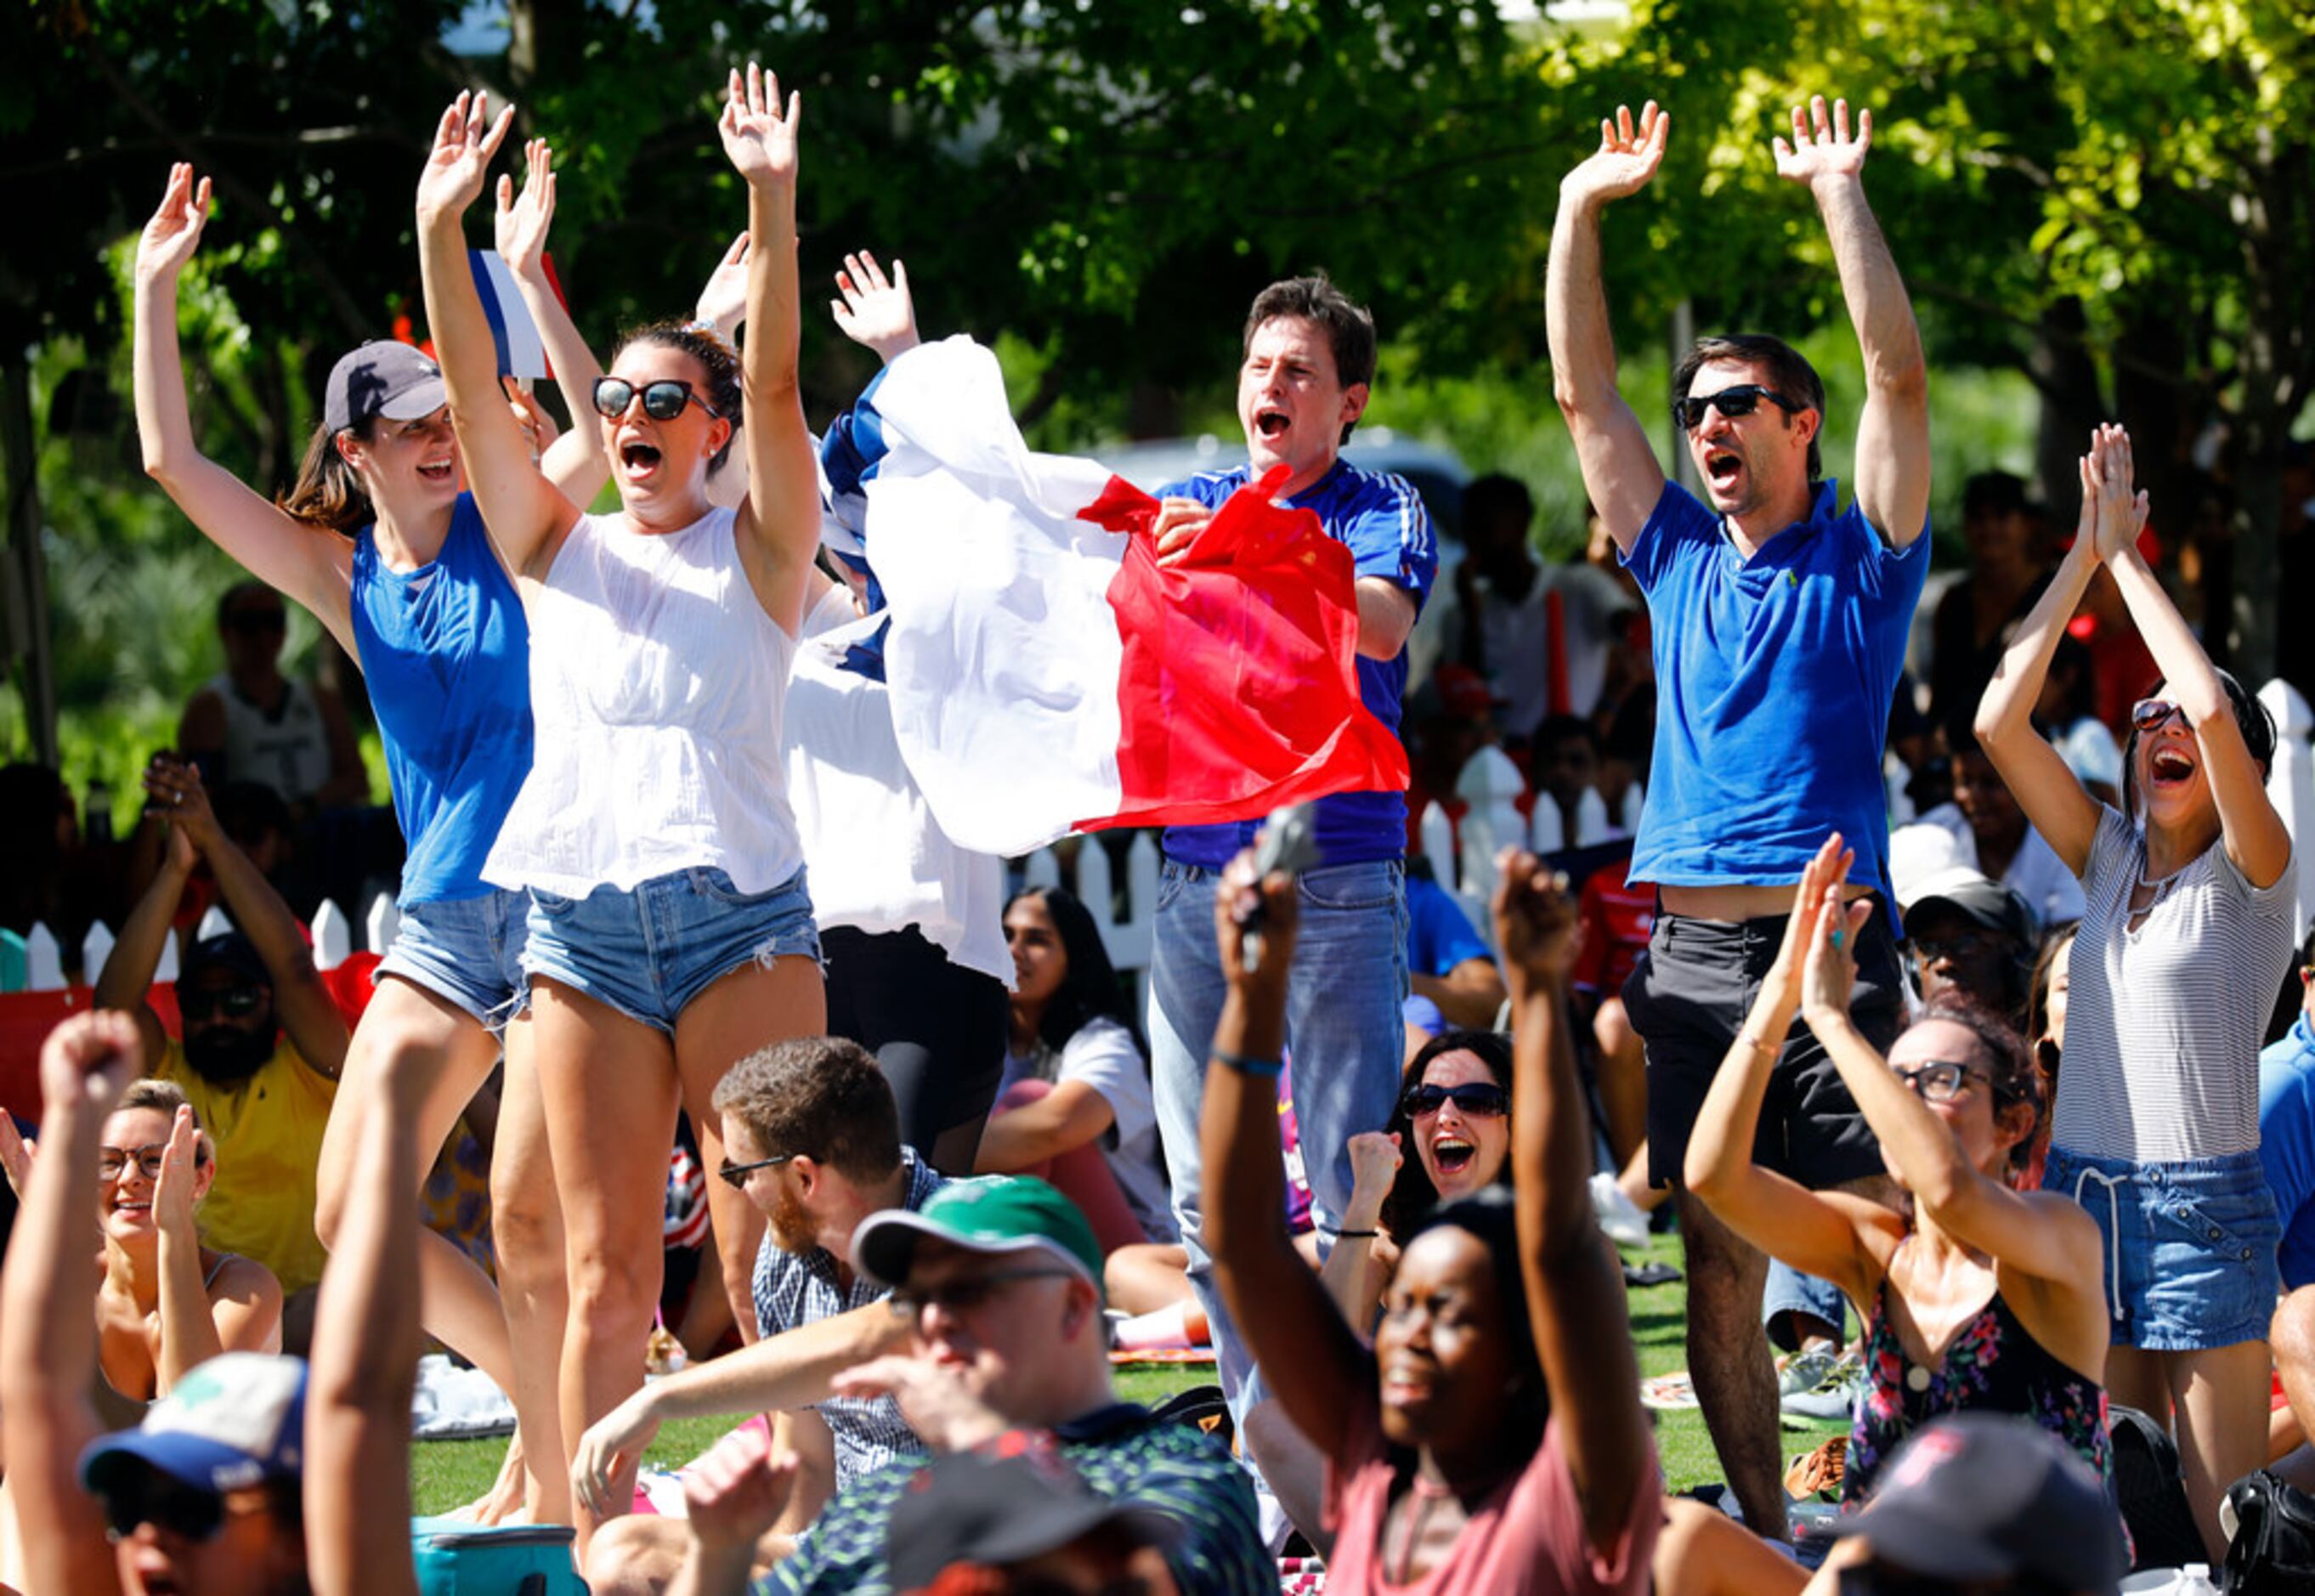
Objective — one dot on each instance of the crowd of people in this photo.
(1991, 1083)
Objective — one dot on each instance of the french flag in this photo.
(1048, 676)
(521, 352)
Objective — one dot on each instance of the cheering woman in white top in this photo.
(671, 932)
(2187, 930)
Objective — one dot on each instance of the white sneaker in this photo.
(1832, 1398)
(1619, 1217)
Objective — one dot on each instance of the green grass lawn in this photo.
(444, 1474)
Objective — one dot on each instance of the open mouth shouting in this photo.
(1271, 424)
(639, 461)
(1452, 1154)
(2170, 766)
(1723, 468)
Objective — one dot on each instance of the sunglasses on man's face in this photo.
(2148, 714)
(664, 400)
(735, 1175)
(236, 1003)
(1742, 400)
(258, 623)
(144, 1495)
(1481, 1098)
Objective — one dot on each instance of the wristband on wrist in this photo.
(1355, 1235)
(1264, 1069)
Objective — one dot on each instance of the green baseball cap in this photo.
(992, 1213)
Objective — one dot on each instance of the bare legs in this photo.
(1729, 1365)
(2215, 1403)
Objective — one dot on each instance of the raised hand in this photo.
(1535, 920)
(1375, 1161)
(874, 312)
(178, 797)
(1828, 870)
(518, 230)
(174, 232)
(172, 1193)
(1829, 976)
(734, 1492)
(2107, 473)
(758, 137)
(464, 143)
(89, 1059)
(1828, 151)
(723, 302)
(1628, 155)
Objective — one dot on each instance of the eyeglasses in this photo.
(234, 1002)
(1940, 1080)
(664, 400)
(2148, 713)
(257, 623)
(112, 1161)
(735, 1175)
(145, 1496)
(963, 1296)
(1739, 400)
(1483, 1098)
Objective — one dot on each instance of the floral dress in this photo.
(1993, 1365)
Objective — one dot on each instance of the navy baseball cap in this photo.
(965, 1508)
(230, 949)
(382, 378)
(236, 1421)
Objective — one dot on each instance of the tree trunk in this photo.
(2071, 404)
(23, 580)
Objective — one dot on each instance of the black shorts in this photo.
(1688, 996)
(937, 1029)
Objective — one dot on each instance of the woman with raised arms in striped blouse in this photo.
(2190, 924)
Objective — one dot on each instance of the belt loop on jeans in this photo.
(2118, 1310)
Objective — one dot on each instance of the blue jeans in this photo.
(1343, 1032)
(469, 951)
(1789, 1290)
(2190, 1245)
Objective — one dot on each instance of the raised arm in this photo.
(577, 463)
(778, 527)
(527, 517)
(364, 1363)
(788, 1370)
(311, 566)
(2254, 834)
(127, 977)
(1358, 1265)
(1291, 1324)
(1893, 432)
(2046, 788)
(1816, 1232)
(47, 1347)
(1574, 1301)
(316, 1024)
(2053, 1239)
(875, 311)
(1620, 466)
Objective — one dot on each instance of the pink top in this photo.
(1526, 1540)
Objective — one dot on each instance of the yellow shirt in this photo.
(268, 1133)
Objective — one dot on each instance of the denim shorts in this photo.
(2189, 1244)
(648, 953)
(468, 951)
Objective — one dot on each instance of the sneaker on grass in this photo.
(1833, 1397)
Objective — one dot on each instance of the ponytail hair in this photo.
(715, 356)
(328, 492)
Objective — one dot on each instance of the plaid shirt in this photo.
(792, 1289)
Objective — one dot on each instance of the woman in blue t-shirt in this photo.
(377, 538)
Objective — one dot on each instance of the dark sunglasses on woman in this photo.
(664, 400)
(2148, 714)
(1481, 1098)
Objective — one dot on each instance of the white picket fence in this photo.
(332, 933)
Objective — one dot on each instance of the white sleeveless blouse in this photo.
(657, 683)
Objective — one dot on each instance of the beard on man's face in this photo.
(792, 1228)
(225, 1053)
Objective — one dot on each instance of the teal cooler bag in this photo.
(462, 1559)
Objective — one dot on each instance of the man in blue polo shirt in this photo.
(1308, 356)
(1779, 623)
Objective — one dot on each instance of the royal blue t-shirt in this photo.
(1773, 682)
(446, 653)
(1438, 934)
(1383, 520)
(2286, 1147)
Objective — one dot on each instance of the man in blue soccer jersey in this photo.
(1780, 624)
(1308, 359)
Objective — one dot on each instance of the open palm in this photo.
(174, 232)
(463, 143)
(520, 227)
(1628, 155)
(759, 135)
(1821, 143)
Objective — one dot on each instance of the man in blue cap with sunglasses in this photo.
(1779, 626)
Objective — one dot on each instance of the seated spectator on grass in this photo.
(263, 1043)
(253, 1474)
(1492, 1440)
(253, 723)
(1076, 1104)
(812, 1133)
(997, 1278)
(1999, 843)
(1453, 977)
(2016, 1279)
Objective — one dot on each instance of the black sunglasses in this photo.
(1739, 400)
(2148, 714)
(257, 623)
(664, 400)
(1472, 1097)
(147, 1497)
(735, 1175)
(963, 1296)
(235, 1002)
